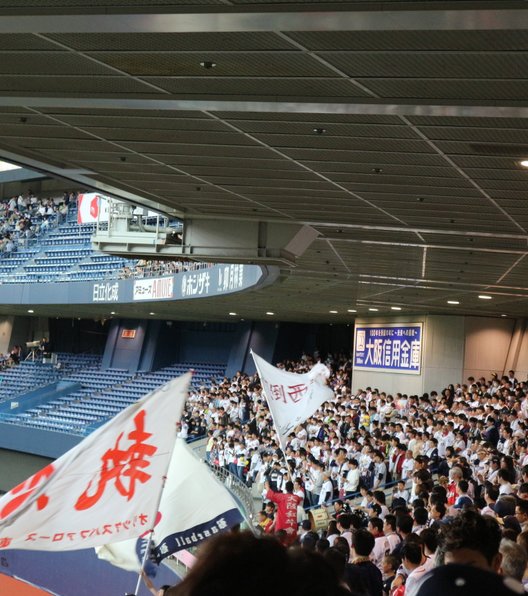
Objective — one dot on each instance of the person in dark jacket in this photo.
(362, 576)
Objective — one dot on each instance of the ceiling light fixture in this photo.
(484, 297)
(351, 310)
(319, 131)
(112, 313)
(152, 313)
(373, 309)
(453, 302)
(270, 313)
(208, 64)
(524, 163)
(395, 307)
(31, 311)
(504, 315)
(232, 314)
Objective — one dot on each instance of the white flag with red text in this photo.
(292, 397)
(104, 490)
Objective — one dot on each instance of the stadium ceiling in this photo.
(395, 129)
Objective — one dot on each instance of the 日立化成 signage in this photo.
(393, 348)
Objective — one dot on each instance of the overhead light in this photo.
(112, 313)
(373, 309)
(319, 131)
(453, 302)
(31, 311)
(333, 312)
(5, 167)
(484, 297)
(270, 313)
(232, 314)
(152, 313)
(395, 307)
(504, 315)
(351, 310)
(524, 163)
(208, 64)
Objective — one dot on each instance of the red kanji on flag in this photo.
(276, 392)
(25, 490)
(296, 392)
(124, 467)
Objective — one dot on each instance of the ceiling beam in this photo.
(226, 20)
(367, 107)
(81, 177)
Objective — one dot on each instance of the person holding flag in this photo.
(287, 503)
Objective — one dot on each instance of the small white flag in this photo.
(292, 397)
(104, 490)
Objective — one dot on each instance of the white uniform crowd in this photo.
(401, 466)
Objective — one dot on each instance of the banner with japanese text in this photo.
(395, 348)
(194, 506)
(104, 490)
(292, 397)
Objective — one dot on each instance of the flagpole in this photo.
(151, 531)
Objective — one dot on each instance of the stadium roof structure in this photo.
(395, 130)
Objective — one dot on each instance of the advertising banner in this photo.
(395, 348)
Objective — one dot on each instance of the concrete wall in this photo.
(15, 467)
(519, 361)
(488, 342)
(442, 357)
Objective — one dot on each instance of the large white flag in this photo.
(194, 506)
(292, 397)
(104, 490)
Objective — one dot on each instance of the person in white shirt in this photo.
(351, 482)
(401, 492)
(505, 487)
(413, 561)
(408, 466)
(327, 490)
(389, 529)
(381, 546)
(380, 470)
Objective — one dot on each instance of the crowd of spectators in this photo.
(159, 268)
(25, 216)
(409, 481)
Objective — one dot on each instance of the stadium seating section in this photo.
(63, 253)
(102, 394)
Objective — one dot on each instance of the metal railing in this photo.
(239, 490)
